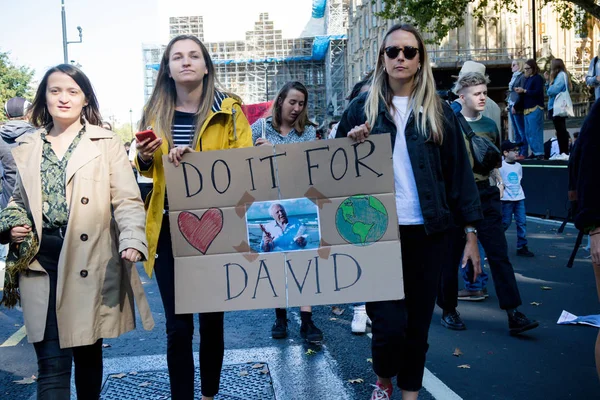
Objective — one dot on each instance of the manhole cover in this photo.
(246, 381)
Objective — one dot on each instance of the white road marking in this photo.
(15, 338)
(435, 387)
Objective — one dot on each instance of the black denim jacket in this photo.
(445, 182)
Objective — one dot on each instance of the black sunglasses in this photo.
(409, 51)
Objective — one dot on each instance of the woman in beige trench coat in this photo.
(85, 227)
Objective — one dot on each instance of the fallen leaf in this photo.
(370, 360)
(457, 352)
(26, 381)
(133, 373)
(465, 366)
(118, 376)
(264, 371)
(545, 287)
(535, 303)
(552, 256)
(333, 319)
(310, 352)
(243, 373)
(257, 366)
(357, 380)
(145, 384)
(106, 345)
(337, 310)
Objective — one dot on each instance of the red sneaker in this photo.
(382, 392)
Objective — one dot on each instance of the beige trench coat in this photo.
(96, 288)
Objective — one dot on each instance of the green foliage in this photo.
(14, 81)
(438, 17)
(124, 132)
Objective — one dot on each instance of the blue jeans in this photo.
(482, 279)
(518, 124)
(516, 208)
(534, 131)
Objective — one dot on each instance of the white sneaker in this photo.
(359, 320)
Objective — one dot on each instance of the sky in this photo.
(113, 34)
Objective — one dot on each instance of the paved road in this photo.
(551, 362)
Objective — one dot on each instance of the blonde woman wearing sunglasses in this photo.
(434, 186)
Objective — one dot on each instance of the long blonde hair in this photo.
(160, 109)
(423, 95)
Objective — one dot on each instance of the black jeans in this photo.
(180, 331)
(490, 233)
(54, 363)
(447, 298)
(400, 328)
(562, 134)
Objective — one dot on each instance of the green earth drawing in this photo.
(361, 220)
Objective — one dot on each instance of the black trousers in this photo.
(447, 298)
(490, 233)
(562, 134)
(180, 331)
(54, 363)
(400, 328)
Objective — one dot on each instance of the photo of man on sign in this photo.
(280, 232)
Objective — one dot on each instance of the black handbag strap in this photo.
(466, 128)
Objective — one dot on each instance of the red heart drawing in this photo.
(200, 232)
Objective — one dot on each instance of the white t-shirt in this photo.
(407, 197)
(511, 176)
(132, 154)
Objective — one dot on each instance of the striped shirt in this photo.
(183, 129)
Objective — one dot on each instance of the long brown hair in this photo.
(302, 118)
(39, 109)
(160, 108)
(425, 102)
(557, 66)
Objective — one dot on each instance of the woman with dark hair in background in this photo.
(75, 224)
(533, 108)
(289, 123)
(188, 114)
(434, 186)
(558, 81)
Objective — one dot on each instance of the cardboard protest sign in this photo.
(287, 225)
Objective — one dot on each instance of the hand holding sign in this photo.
(360, 133)
(176, 154)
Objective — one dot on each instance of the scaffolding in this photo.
(189, 25)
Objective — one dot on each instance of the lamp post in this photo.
(131, 122)
(64, 33)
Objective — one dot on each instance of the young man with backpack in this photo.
(483, 141)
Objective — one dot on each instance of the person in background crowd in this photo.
(288, 123)
(188, 114)
(573, 141)
(18, 125)
(359, 87)
(533, 108)
(513, 198)
(472, 90)
(584, 168)
(107, 125)
(558, 81)
(68, 256)
(592, 79)
(492, 110)
(425, 135)
(515, 107)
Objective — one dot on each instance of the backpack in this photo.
(486, 156)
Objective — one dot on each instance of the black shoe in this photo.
(524, 252)
(279, 329)
(452, 320)
(519, 323)
(310, 333)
